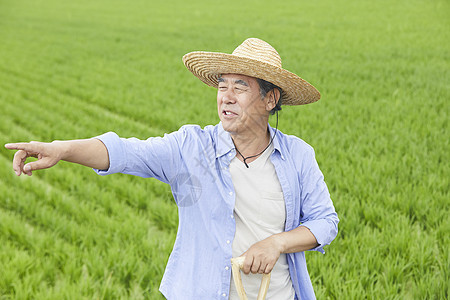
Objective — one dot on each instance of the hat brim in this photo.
(208, 66)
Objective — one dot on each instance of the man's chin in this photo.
(228, 126)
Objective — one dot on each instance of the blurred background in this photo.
(77, 69)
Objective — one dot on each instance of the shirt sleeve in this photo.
(157, 157)
(317, 210)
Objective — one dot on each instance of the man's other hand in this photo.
(261, 257)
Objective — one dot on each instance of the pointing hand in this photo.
(48, 154)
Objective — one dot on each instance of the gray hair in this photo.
(264, 88)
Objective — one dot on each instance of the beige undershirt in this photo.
(259, 213)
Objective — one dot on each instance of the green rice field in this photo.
(77, 69)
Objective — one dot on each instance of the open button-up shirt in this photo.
(195, 163)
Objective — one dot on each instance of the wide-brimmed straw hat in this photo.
(254, 58)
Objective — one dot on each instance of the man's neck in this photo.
(251, 143)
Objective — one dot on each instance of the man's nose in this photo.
(229, 97)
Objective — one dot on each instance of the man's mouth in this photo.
(229, 113)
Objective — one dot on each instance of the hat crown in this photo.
(257, 49)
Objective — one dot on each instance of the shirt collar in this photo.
(276, 140)
(225, 143)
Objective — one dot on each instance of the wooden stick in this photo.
(237, 264)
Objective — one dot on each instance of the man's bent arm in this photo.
(262, 256)
(296, 240)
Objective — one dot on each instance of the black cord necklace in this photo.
(271, 140)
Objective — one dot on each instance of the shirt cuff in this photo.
(320, 229)
(116, 153)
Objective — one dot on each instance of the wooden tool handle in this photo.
(237, 264)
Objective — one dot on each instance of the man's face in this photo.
(240, 107)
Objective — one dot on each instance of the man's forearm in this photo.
(296, 240)
(262, 256)
(90, 152)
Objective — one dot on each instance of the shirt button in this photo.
(232, 216)
(231, 193)
(230, 154)
(227, 268)
(228, 241)
(224, 295)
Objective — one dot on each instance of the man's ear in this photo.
(272, 97)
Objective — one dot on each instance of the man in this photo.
(242, 187)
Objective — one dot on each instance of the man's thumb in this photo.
(43, 163)
(27, 168)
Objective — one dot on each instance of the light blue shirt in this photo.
(195, 162)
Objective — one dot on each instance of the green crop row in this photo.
(77, 69)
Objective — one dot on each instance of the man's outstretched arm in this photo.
(90, 152)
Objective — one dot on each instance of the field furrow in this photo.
(71, 70)
(52, 98)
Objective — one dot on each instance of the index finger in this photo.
(247, 264)
(21, 146)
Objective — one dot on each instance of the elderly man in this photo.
(242, 187)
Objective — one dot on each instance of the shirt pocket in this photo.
(272, 211)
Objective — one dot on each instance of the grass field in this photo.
(81, 68)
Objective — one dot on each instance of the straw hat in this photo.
(254, 58)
